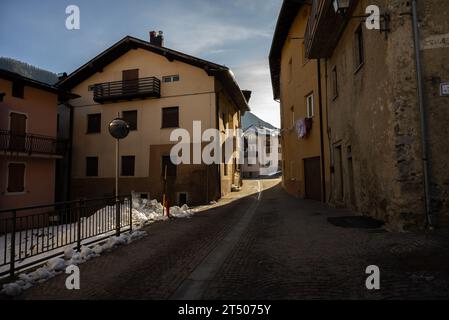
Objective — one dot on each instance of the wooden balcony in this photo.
(20, 143)
(324, 28)
(141, 88)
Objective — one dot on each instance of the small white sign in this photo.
(444, 89)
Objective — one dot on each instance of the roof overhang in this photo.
(287, 15)
(128, 43)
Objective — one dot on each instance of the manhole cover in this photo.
(356, 222)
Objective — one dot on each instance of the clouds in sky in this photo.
(235, 33)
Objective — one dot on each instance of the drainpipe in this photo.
(320, 104)
(423, 115)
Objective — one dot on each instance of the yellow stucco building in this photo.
(156, 90)
(297, 87)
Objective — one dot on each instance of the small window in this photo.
(131, 118)
(310, 107)
(16, 177)
(225, 169)
(92, 167)
(128, 163)
(167, 167)
(94, 123)
(18, 89)
(292, 111)
(144, 196)
(290, 70)
(170, 117)
(359, 54)
(172, 78)
(334, 79)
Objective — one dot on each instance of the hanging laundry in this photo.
(300, 127)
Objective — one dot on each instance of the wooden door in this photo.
(130, 81)
(312, 175)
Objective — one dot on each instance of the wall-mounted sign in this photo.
(444, 89)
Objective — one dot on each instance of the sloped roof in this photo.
(12, 76)
(287, 15)
(222, 73)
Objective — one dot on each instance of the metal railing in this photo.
(32, 235)
(31, 143)
(127, 90)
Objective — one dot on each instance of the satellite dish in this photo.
(119, 128)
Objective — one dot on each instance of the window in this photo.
(167, 167)
(334, 80)
(309, 103)
(128, 166)
(292, 110)
(172, 78)
(170, 117)
(16, 177)
(2, 95)
(290, 69)
(18, 89)
(91, 166)
(359, 54)
(131, 118)
(94, 123)
(225, 169)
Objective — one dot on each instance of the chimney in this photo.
(157, 38)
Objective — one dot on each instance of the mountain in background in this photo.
(28, 71)
(250, 119)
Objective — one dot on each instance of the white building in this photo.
(262, 151)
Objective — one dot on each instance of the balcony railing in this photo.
(127, 90)
(31, 144)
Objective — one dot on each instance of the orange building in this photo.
(29, 147)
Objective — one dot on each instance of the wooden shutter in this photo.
(16, 177)
(130, 81)
(170, 117)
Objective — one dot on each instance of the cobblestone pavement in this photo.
(268, 246)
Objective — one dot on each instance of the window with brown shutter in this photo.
(131, 118)
(167, 164)
(170, 117)
(94, 123)
(18, 89)
(92, 166)
(16, 177)
(128, 163)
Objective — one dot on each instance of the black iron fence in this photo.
(127, 90)
(31, 235)
(31, 143)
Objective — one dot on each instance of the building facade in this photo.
(296, 85)
(29, 147)
(263, 145)
(387, 111)
(156, 90)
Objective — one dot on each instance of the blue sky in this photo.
(236, 33)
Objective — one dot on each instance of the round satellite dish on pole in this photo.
(119, 128)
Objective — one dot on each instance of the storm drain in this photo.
(359, 222)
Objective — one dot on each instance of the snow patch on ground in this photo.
(71, 257)
(144, 212)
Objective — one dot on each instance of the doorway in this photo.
(312, 177)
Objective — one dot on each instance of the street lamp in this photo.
(340, 6)
(119, 129)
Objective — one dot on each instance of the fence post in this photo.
(13, 245)
(78, 223)
(131, 213)
(117, 217)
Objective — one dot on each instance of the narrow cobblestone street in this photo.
(265, 245)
